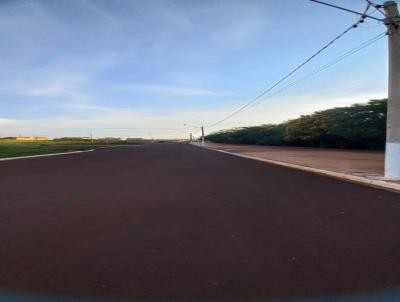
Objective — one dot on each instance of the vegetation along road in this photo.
(175, 221)
(17, 148)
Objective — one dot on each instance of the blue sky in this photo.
(74, 67)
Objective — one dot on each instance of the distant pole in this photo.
(392, 156)
(190, 137)
(202, 136)
(91, 137)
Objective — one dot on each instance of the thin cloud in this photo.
(104, 120)
(71, 63)
(7, 121)
(175, 90)
(55, 89)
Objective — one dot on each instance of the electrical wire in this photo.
(327, 65)
(348, 10)
(361, 20)
(377, 7)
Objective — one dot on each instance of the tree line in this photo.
(359, 126)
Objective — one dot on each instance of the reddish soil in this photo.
(362, 162)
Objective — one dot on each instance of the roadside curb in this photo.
(44, 155)
(376, 183)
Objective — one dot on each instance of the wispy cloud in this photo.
(125, 122)
(53, 89)
(174, 90)
(87, 63)
(7, 121)
(235, 24)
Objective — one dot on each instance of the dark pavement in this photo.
(174, 221)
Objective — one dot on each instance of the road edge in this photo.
(44, 155)
(376, 183)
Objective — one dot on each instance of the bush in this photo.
(361, 126)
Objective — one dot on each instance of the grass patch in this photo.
(13, 148)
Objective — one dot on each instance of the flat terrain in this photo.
(174, 221)
(358, 162)
(14, 148)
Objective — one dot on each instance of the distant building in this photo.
(109, 139)
(32, 138)
(73, 138)
(133, 139)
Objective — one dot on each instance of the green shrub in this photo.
(361, 126)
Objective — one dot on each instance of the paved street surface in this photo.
(174, 221)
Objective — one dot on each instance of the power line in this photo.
(364, 15)
(361, 20)
(377, 7)
(327, 65)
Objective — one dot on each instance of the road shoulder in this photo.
(369, 180)
(45, 155)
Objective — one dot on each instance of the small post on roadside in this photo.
(190, 137)
(392, 153)
(202, 136)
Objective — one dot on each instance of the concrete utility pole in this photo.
(392, 156)
(190, 137)
(202, 133)
(202, 136)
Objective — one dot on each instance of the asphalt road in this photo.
(174, 221)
